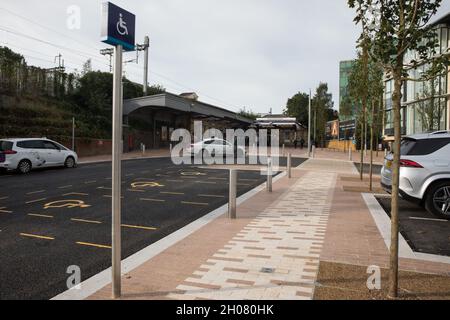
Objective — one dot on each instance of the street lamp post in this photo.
(309, 125)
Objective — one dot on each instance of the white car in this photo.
(424, 171)
(211, 147)
(25, 155)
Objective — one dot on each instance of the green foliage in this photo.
(38, 102)
(297, 107)
(322, 111)
(249, 114)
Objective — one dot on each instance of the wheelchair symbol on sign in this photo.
(122, 28)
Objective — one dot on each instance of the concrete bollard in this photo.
(350, 154)
(289, 166)
(232, 195)
(269, 174)
(313, 152)
(143, 149)
(284, 150)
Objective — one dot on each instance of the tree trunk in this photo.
(361, 164)
(371, 148)
(393, 270)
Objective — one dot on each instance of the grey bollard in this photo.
(269, 174)
(289, 166)
(232, 196)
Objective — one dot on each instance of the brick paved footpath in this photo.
(273, 250)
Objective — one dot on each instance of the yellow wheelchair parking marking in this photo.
(35, 192)
(173, 193)
(27, 235)
(40, 215)
(192, 174)
(152, 200)
(75, 194)
(33, 201)
(138, 227)
(69, 204)
(195, 203)
(94, 245)
(146, 184)
(85, 221)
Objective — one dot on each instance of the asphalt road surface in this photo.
(423, 231)
(56, 218)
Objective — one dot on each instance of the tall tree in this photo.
(322, 112)
(396, 27)
(297, 107)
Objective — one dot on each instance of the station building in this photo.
(151, 120)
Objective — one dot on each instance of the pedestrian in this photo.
(302, 143)
(295, 144)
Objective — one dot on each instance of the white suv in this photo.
(24, 155)
(424, 171)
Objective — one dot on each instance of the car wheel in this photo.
(24, 166)
(70, 163)
(438, 200)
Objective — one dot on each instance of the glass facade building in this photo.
(425, 105)
(345, 68)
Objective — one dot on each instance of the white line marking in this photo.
(428, 219)
(383, 223)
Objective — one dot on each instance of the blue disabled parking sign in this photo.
(118, 26)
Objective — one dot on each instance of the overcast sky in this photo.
(233, 53)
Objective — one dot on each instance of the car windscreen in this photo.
(423, 147)
(5, 145)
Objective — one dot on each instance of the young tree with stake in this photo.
(396, 27)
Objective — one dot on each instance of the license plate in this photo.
(389, 164)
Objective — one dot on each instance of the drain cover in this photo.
(267, 270)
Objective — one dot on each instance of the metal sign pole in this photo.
(116, 173)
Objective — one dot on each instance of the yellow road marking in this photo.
(4, 198)
(109, 196)
(195, 203)
(173, 193)
(90, 182)
(38, 200)
(76, 194)
(153, 200)
(94, 245)
(210, 196)
(40, 215)
(66, 204)
(138, 227)
(36, 236)
(85, 221)
(205, 182)
(104, 188)
(243, 184)
(5, 211)
(135, 190)
(34, 192)
(65, 187)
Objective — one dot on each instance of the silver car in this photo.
(424, 171)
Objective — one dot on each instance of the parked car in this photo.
(25, 155)
(424, 171)
(214, 147)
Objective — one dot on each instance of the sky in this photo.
(234, 53)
